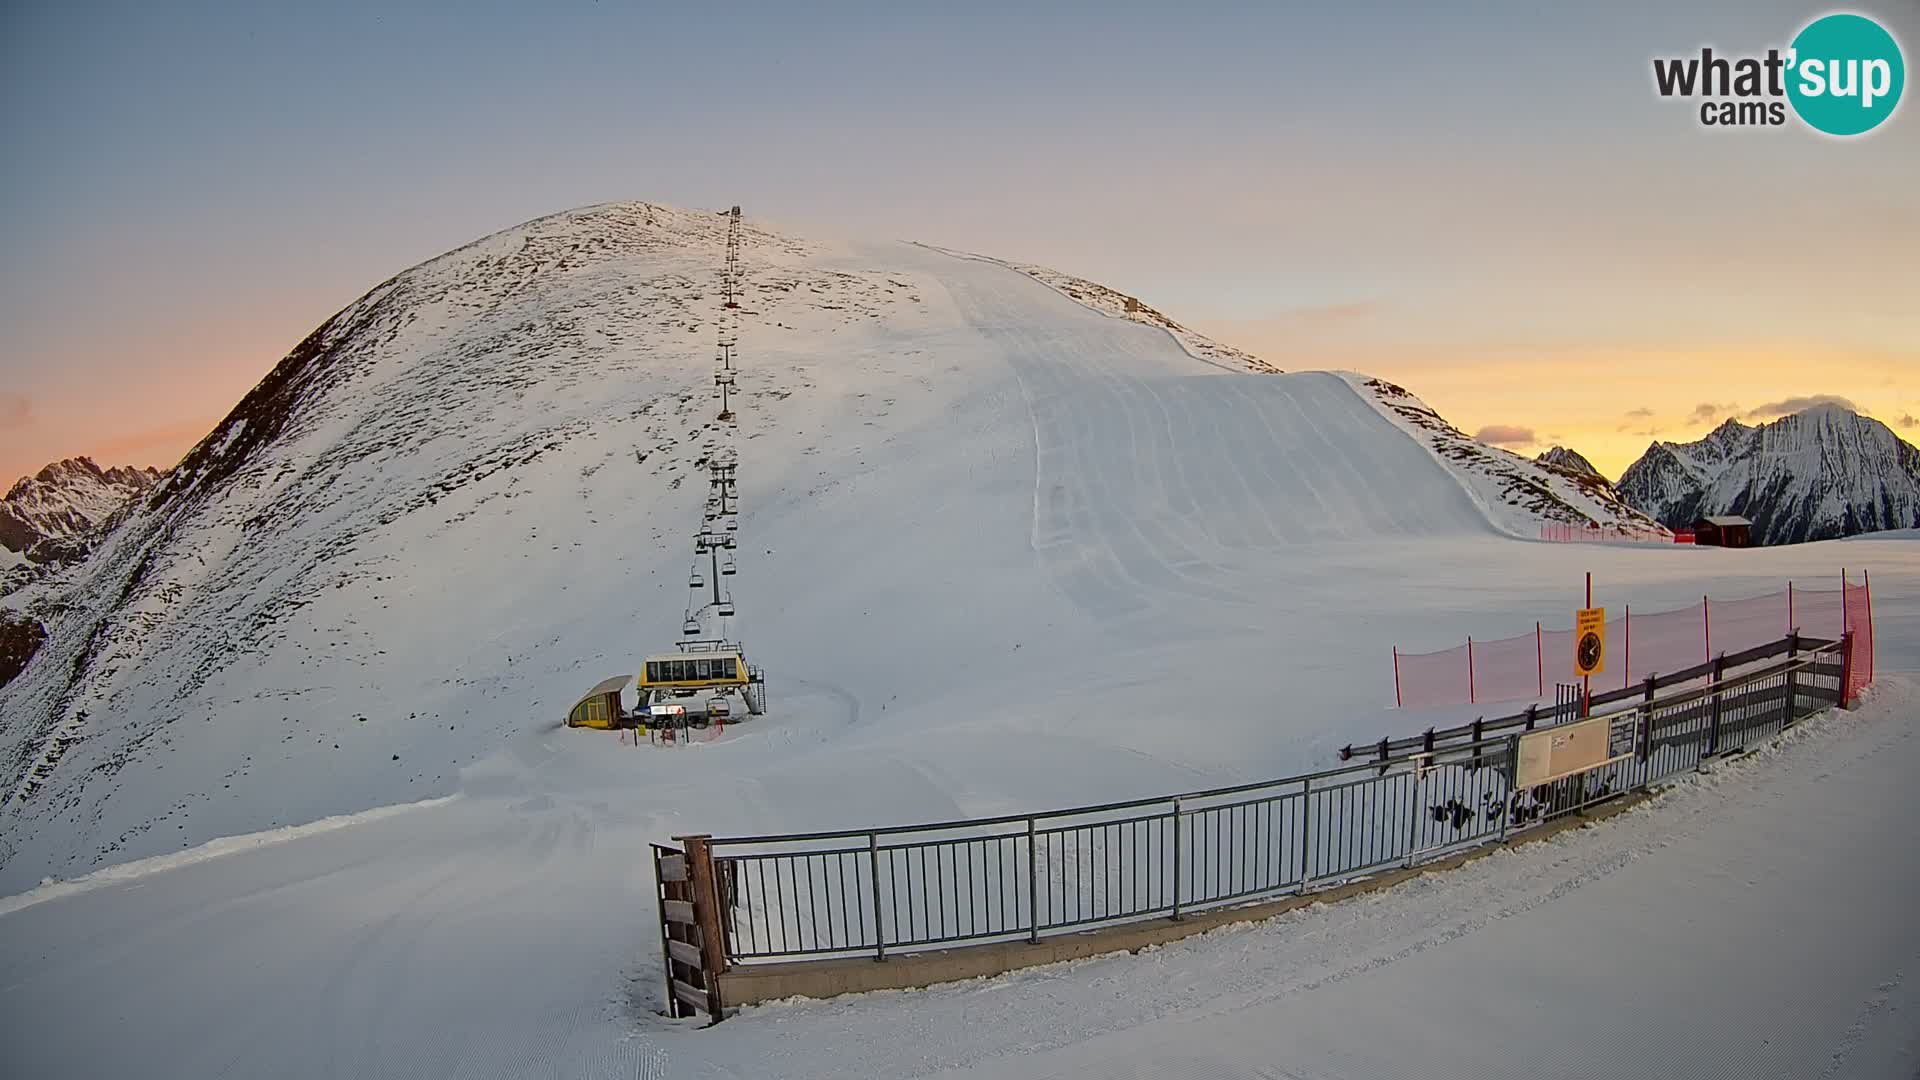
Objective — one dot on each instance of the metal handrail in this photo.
(1485, 745)
(1018, 876)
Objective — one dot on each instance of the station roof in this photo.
(605, 686)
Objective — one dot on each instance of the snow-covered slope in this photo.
(470, 495)
(1000, 552)
(1822, 473)
(1121, 306)
(1516, 494)
(67, 499)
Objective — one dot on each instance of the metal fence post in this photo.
(1793, 680)
(1713, 731)
(1513, 778)
(879, 924)
(1306, 829)
(1033, 886)
(1646, 731)
(1176, 859)
(1846, 666)
(1413, 803)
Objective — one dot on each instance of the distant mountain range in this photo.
(67, 500)
(1815, 475)
(1568, 461)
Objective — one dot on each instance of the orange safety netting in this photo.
(1858, 603)
(1639, 645)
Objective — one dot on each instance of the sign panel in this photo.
(1624, 735)
(1590, 641)
(1562, 750)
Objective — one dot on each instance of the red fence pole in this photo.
(1790, 622)
(1396, 676)
(1626, 669)
(1586, 681)
(1471, 698)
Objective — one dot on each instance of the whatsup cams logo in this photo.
(1841, 75)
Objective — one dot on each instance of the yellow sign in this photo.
(1590, 641)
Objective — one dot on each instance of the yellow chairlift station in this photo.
(693, 671)
(713, 666)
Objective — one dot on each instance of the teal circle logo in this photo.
(1845, 74)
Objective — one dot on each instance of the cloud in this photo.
(1640, 413)
(1909, 420)
(1707, 412)
(1788, 406)
(1506, 435)
(15, 410)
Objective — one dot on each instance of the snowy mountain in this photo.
(1566, 460)
(67, 499)
(1814, 475)
(470, 495)
(1516, 494)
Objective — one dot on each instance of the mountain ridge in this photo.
(1817, 474)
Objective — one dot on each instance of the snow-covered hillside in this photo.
(1121, 306)
(1516, 494)
(470, 495)
(1000, 551)
(1815, 475)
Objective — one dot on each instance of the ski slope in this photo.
(999, 552)
(446, 544)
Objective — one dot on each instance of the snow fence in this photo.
(1639, 645)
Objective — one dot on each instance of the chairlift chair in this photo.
(690, 627)
(727, 569)
(724, 608)
(697, 581)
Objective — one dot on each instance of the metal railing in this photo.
(904, 888)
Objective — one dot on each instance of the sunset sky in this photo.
(1493, 209)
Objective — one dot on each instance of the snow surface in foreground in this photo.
(1754, 922)
(1001, 553)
